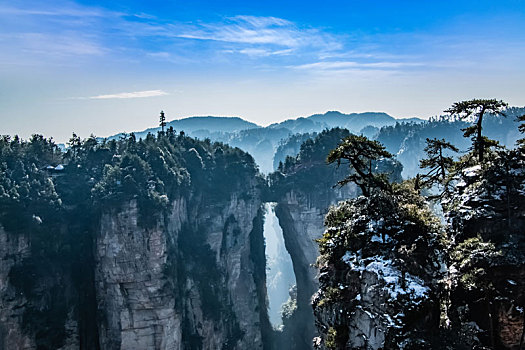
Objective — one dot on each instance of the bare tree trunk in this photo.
(480, 143)
(480, 139)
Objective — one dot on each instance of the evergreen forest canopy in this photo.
(112, 161)
(262, 142)
(38, 178)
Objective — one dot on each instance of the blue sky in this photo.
(105, 67)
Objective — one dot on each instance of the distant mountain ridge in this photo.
(262, 142)
(211, 124)
(315, 122)
(357, 121)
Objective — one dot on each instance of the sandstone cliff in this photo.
(149, 244)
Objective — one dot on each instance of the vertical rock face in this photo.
(37, 309)
(186, 282)
(360, 319)
(134, 244)
(228, 232)
(301, 217)
(137, 310)
(195, 279)
(13, 249)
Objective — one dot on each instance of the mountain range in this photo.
(262, 142)
(354, 122)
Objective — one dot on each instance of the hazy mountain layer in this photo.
(262, 142)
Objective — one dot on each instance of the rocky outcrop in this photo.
(486, 217)
(13, 249)
(304, 188)
(137, 311)
(38, 298)
(392, 277)
(301, 217)
(193, 280)
(224, 284)
(380, 268)
(135, 244)
(186, 282)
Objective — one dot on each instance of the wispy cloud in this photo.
(261, 31)
(55, 33)
(262, 22)
(258, 52)
(63, 44)
(343, 65)
(125, 95)
(67, 28)
(70, 10)
(73, 34)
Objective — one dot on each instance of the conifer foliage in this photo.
(359, 152)
(477, 108)
(438, 162)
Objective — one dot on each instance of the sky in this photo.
(103, 67)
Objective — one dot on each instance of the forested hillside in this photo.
(129, 244)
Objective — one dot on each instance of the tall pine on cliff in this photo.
(485, 223)
(379, 266)
(393, 277)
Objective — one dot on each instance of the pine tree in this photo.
(437, 162)
(360, 152)
(74, 145)
(477, 108)
(162, 123)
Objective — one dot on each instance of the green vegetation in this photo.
(438, 164)
(55, 199)
(290, 145)
(308, 173)
(360, 152)
(308, 169)
(26, 189)
(470, 263)
(401, 218)
(336, 337)
(289, 307)
(162, 121)
(477, 108)
(407, 140)
(471, 258)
